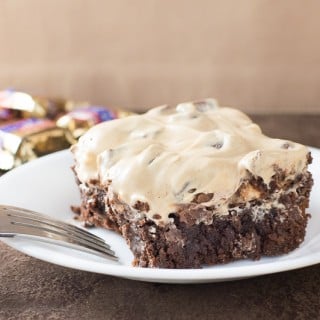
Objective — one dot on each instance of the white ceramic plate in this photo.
(47, 185)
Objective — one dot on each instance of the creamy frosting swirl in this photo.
(168, 154)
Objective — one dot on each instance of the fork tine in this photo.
(16, 212)
(73, 239)
(27, 223)
(85, 235)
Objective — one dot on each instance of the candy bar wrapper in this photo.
(29, 127)
(78, 121)
(15, 104)
(27, 139)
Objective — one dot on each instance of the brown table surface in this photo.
(32, 289)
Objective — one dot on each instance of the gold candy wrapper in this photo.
(28, 129)
(15, 104)
(27, 139)
(79, 120)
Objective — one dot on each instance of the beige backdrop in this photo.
(259, 55)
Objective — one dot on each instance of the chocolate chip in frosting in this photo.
(202, 197)
(204, 105)
(286, 145)
(217, 145)
(151, 160)
(141, 206)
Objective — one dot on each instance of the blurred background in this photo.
(260, 56)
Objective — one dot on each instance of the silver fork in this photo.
(19, 222)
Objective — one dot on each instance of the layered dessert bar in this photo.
(193, 185)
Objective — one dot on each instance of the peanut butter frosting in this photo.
(167, 155)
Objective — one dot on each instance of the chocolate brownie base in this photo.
(271, 225)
